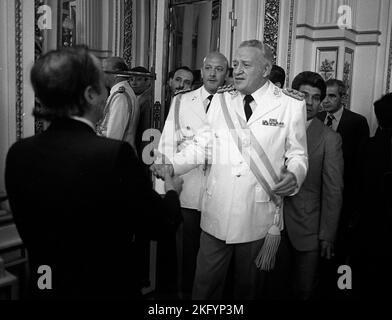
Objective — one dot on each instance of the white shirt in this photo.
(335, 121)
(257, 96)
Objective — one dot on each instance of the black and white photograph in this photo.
(202, 157)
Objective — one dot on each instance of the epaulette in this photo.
(227, 88)
(182, 91)
(294, 94)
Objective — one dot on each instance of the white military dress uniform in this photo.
(192, 116)
(235, 207)
(121, 114)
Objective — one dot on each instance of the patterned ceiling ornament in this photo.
(271, 25)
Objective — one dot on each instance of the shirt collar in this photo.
(308, 122)
(204, 93)
(337, 114)
(118, 85)
(259, 93)
(84, 120)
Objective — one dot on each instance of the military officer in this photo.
(187, 115)
(256, 143)
(121, 114)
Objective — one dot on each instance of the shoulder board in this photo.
(182, 91)
(294, 94)
(228, 88)
(121, 90)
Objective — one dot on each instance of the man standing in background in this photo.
(187, 115)
(121, 114)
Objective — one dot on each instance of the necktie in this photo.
(209, 98)
(248, 110)
(330, 118)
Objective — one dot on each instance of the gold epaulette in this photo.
(294, 94)
(227, 88)
(182, 91)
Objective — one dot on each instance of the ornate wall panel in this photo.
(388, 88)
(128, 25)
(290, 43)
(271, 24)
(19, 67)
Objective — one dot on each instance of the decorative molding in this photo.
(368, 43)
(128, 25)
(19, 68)
(271, 24)
(289, 51)
(305, 25)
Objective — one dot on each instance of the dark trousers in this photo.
(295, 275)
(213, 262)
(188, 243)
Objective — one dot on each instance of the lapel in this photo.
(343, 119)
(270, 101)
(314, 134)
(195, 103)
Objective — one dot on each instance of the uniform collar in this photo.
(204, 93)
(258, 94)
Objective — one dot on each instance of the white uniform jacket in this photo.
(192, 117)
(123, 115)
(235, 208)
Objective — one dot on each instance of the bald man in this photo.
(188, 113)
(121, 113)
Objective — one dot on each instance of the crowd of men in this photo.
(265, 190)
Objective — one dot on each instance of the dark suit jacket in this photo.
(77, 200)
(313, 213)
(354, 130)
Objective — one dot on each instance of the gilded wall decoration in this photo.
(290, 42)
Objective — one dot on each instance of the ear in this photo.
(267, 70)
(90, 95)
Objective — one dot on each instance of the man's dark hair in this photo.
(277, 75)
(59, 79)
(312, 79)
(339, 83)
(383, 111)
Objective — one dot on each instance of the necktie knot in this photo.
(248, 98)
(330, 118)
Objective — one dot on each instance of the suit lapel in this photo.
(314, 134)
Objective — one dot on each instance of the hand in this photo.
(327, 249)
(287, 184)
(173, 183)
(161, 165)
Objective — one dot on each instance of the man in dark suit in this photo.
(311, 216)
(371, 263)
(78, 198)
(353, 129)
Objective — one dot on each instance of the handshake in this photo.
(163, 169)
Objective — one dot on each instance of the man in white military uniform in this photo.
(121, 112)
(262, 129)
(187, 115)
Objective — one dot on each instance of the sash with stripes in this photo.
(259, 151)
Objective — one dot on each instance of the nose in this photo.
(308, 101)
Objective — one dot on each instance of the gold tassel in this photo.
(266, 258)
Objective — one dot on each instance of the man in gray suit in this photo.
(311, 217)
